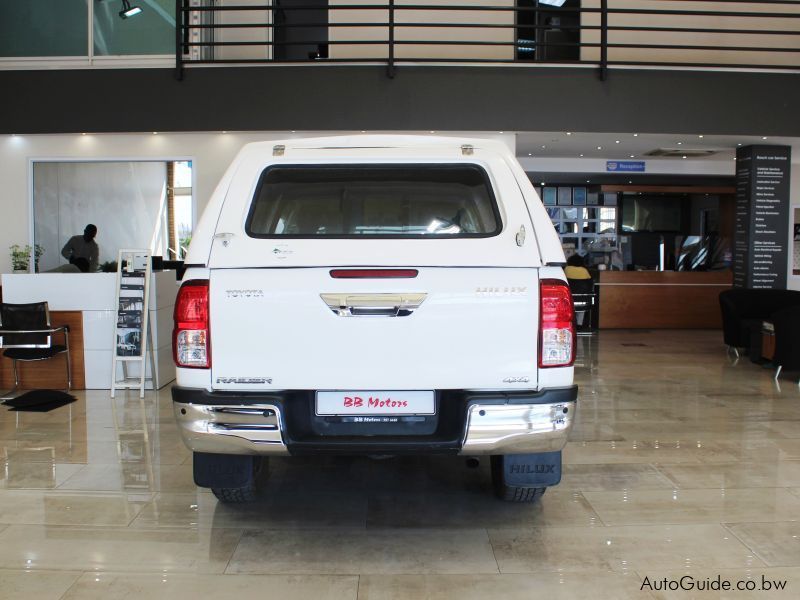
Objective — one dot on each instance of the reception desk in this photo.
(661, 299)
(85, 302)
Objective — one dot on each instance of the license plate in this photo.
(376, 402)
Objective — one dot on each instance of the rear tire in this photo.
(233, 479)
(512, 493)
(236, 495)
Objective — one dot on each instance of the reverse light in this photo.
(191, 342)
(556, 324)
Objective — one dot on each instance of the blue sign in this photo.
(625, 166)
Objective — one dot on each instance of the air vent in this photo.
(681, 152)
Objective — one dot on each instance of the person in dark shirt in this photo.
(82, 251)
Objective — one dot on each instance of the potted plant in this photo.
(20, 258)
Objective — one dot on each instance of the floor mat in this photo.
(40, 401)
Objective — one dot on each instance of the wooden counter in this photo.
(661, 299)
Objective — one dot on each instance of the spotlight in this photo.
(128, 10)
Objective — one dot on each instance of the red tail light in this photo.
(556, 324)
(191, 340)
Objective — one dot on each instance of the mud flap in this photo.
(529, 470)
(223, 470)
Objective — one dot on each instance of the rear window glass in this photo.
(346, 201)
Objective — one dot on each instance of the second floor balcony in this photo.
(601, 33)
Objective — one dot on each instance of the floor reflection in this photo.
(681, 460)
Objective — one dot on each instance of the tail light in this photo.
(191, 342)
(556, 324)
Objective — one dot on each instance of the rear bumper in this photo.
(480, 423)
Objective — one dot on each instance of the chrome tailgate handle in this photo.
(373, 305)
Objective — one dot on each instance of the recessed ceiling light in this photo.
(588, 181)
(433, 132)
(632, 155)
(635, 135)
(599, 147)
(616, 141)
(499, 132)
(543, 146)
(581, 155)
(363, 131)
(569, 133)
(530, 154)
(680, 143)
(683, 157)
(155, 133)
(764, 137)
(630, 181)
(701, 136)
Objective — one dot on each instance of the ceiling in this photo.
(633, 146)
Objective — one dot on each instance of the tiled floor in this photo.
(681, 463)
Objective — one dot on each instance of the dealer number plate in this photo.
(376, 403)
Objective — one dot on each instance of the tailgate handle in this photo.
(373, 305)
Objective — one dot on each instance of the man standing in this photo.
(82, 251)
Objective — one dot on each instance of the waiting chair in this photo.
(787, 331)
(584, 298)
(27, 335)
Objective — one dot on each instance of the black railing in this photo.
(601, 33)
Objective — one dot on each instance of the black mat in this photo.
(40, 401)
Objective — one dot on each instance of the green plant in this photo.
(110, 266)
(20, 257)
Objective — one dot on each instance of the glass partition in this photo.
(129, 202)
(43, 28)
(150, 32)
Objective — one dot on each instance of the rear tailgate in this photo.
(473, 328)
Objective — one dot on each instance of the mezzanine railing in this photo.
(705, 34)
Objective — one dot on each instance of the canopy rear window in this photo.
(375, 201)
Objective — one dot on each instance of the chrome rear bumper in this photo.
(492, 427)
(517, 428)
(230, 429)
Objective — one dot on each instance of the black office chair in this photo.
(26, 335)
(584, 297)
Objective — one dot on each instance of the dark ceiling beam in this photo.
(342, 97)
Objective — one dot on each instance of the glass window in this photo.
(374, 201)
(150, 32)
(43, 28)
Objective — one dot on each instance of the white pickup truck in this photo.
(375, 295)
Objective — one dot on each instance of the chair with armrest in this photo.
(787, 331)
(584, 297)
(27, 335)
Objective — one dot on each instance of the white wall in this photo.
(793, 281)
(506, 35)
(671, 38)
(211, 154)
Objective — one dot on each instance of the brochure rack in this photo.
(132, 335)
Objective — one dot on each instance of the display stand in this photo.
(132, 336)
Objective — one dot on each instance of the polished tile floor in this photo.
(681, 463)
